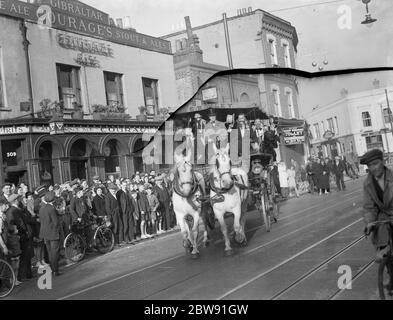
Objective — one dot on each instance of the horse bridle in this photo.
(224, 173)
(191, 183)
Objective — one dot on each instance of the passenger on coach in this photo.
(113, 210)
(6, 191)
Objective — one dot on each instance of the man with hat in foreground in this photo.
(50, 231)
(215, 130)
(378, 200)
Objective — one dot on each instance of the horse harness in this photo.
(177, 185)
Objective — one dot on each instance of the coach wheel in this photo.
(265, 212)
(385, 279)
(74, 247)
(104, 240)
(7, 279)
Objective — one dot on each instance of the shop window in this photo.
(112, 160)
(366, 119)
(387, 115)
(113, 88)
(46, 165)
(374, 142)
(68, 85)
(150, 91)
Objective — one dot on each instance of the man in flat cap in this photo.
(50, 231)
(378, 200)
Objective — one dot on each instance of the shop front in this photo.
(34, 154)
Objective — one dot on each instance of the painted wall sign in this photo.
(72, 21)
(328, 135)
(209, 94)
(51, 129)
(84, 45)
(293, 135)
(87, 60)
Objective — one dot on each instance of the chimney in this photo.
(119, 23)
(127, 22)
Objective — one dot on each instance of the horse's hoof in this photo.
(229, 253)
(187, 244)
(207, 243)
(244, 243)
(195, 256)
(239, 238)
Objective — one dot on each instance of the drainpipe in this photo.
(229, 52)
(26, 44)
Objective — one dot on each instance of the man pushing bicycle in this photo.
(378, 200)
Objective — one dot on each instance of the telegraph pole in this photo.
(389, 111)
(229, 52)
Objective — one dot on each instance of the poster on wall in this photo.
(293, 135)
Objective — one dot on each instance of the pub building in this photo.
(112, 83)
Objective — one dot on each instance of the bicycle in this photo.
(76, 243)
(266, 205)
(7, 279)
(385, 270)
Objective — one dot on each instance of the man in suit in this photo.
(125, 206)
(113, 211)
(215, 130)
(338, 169)
(163, 197)
(78, 207)
(144, 209)
(99, 203)
(50, 231)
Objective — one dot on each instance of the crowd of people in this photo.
(33, 226)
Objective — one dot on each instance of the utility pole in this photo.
(389, 111)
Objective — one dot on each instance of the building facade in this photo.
(65, 54)
(356, 123)
(257, 40)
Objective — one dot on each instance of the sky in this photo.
(316, 22)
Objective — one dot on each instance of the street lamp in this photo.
(368, 20)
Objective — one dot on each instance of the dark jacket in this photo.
(338, 169)
(50, 225)
(125, 204)
(162, 196)
(111, 205)
(15, 217)
(135, 208)
(143, 202)
(99, 206)
(79, 209)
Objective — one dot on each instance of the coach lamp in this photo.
(368, 19)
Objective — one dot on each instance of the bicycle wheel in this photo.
(7, 279)
(104, 239)
(265, 211)
(385, 279)
(74, 247)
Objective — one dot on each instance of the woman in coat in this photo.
(324, 184)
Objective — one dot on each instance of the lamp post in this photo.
(368, 19)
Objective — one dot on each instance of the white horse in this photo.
(188, 187)
(227, 197)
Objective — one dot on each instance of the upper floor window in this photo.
(366, 119)
(150, 91)
(291, 106)
(113, 88)
(273, 50)
(317, 131)
(276, 101)
(68, 85)
(387, 115)
(287, 55)
(330, 124)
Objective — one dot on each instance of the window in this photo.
(277, 104)
(366, 119)
(386, 113)
(273, 50)
(330, 124)
(336, 125)
(150, 92)
(374, 142)
(317, 131)
(287, 56)
(68, 85)
(113, 88)
(291, 107)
